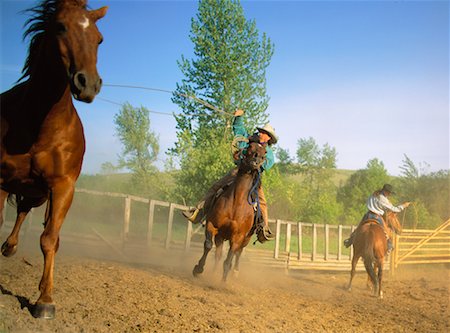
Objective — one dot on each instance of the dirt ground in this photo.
(159, 294)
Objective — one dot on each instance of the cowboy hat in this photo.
(388, 188)
(268, 129)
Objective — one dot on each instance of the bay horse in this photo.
(42, 139)
(232, 215)
(370, 243)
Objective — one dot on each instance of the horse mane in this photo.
(40, 22)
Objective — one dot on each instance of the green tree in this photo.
(227, 72)
(140, 144)
(318, 192)
(429, 194)
(359, 187)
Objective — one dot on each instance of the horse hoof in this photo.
(197, 270)
(8, 250)
(235, 273)
(44, 311)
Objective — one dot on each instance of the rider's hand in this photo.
(238, 112)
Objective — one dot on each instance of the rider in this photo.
(265, 136)
(377, 204)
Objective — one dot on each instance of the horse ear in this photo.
(98, 13)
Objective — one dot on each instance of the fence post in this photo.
(277, 240)
(299, 230)
(392, 256)
(314, 242)
(187, 241)
(151, 217)
(169, 225)
(126, 220)
(288, 238)
(339, 255)
(326, 240)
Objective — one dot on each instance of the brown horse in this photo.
(232, 215)
(370, 243)
(42, 140)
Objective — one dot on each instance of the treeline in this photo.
(310, 191)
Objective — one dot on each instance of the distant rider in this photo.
(378, 204)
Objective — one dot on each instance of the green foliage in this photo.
(140, 144)
(317, 193)
(200, 168)
(429, 194)
(359, 187)
(228, 72)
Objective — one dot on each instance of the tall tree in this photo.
(140, 144)
(227, 72)
(318, 192)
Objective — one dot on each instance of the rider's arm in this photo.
(238, 127)
(386, 205)
(270, 160)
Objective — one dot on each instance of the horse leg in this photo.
(3, 196)
(219, 250)
(353, 271)
(368, 263)
(227, 263)
(9, 247)
(380, 276)
(207, 246)
(236, 261)
(60, 200)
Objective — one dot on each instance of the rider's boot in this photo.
(195, 215)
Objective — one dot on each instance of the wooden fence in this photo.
(298, 245)
(422, 246)
(303, 247)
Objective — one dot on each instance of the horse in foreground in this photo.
(42, 140)
(232, 215)
(370, 243)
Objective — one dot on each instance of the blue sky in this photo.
(370, 78)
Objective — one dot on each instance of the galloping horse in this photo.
(42, 140)
(370, 243)
(232, 215)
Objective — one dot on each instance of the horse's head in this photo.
(393, 222)
(78, 38)
(254, 156)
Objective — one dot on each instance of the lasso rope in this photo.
(195, 98)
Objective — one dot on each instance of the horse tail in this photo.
(368, 255)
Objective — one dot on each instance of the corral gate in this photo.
(422, 246)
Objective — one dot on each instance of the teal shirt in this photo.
(239, 130)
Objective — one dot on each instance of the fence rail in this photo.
(422, 246)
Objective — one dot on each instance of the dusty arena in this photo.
(98, 291)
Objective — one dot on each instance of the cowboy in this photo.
(377, 204)
(265, 136)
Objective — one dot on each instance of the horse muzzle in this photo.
(85, 87)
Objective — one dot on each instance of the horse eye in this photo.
(60, 28)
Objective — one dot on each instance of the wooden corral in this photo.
(298, 245)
